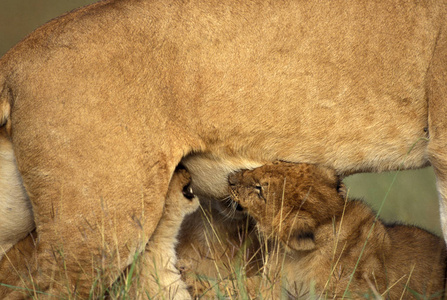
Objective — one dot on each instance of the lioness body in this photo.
(326, 240)
(107, 100)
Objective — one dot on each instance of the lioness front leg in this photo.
(85, 244)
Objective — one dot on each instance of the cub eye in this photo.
(259, 191)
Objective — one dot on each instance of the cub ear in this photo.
(342, 190)
(301, 240)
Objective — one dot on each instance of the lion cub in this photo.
(332, 246)
(158, 275)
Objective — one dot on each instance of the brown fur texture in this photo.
(105, 101)
(18, 262)
(215, 245)
(322, 238)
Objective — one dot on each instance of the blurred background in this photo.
(408, 196)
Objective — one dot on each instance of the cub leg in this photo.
(158, 275)
(18, 262)
(437, 121)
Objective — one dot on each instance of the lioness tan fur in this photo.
(105, 101)
(16, 215)
(325, 239)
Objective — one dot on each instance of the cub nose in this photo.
(232, 179)
(187, 192)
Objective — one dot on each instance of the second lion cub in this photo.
(322, 238)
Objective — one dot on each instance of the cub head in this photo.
(289, 201)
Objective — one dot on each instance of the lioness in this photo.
(338, 246)
(104, 102)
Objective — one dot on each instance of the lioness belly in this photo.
(380, 144)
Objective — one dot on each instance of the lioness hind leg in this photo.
(16, 215)
(437, 121)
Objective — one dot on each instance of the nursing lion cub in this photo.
(336, 246)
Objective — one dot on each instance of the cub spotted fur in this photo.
(322, 236)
